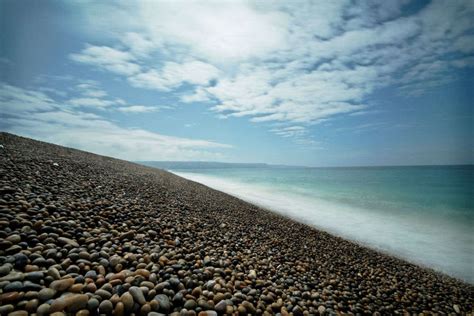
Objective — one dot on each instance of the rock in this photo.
(71, 303)
(127, 235)
(54, 273)
(5, 269)
(164, 303)
(32, 305)
(46, 294)
(9, 297)
(218, 297)
(35, 276)
(14, 239)
(92, 304)
(457, 309)
(6, 309)
(204, 304)
(221, 307)
(249, 307)
(67, 241)
(119, 309)
(103, 294)
(178, 299)
(21, 260)
(106, 307)
(91, 274)
(137, 295)
(207, 313)
(43, 309)
(62, 285)
(297, 310)
(127, 300)
(13, 286)
(18, 313)
(321, 309)
(13, 276)
(190, 304)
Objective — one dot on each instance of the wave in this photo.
(427, 241)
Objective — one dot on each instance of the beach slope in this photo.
(88, 234)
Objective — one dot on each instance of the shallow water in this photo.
(422, 214)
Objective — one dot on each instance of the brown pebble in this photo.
(62, 285)
(119, 309)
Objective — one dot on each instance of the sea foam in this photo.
(430, 242)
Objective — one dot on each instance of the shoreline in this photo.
(175, 245)
(219, 185)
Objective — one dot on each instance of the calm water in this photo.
(422, 214)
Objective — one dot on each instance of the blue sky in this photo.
(317, 83)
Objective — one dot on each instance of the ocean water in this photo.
(422, 214)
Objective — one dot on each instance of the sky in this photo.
(314, 83)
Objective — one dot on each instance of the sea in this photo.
(423, 214)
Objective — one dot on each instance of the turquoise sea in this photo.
(422, 214)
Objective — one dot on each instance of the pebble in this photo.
(5, 269)
(43, 309)
(46, 294)
(67, 241)
(62, 285)
(127, 300)
(221, 306)
(106, 307)
(164, 303)
(137, 295)
(54, 273)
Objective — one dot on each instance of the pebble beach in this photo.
(83, 234)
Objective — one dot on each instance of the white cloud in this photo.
(138, 109)
(90, 89)
(17, 100)
(88, 131)
(108, 58)
(298, 62)
(215, 30)
(92, 102)
(174, 74)
(139, 45)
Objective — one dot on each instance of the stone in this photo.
(207, 313)
(190, 304)
(164, 303)
(7, 308)
(71, 303)
(21, 260)
(221, 307)
(62, 285)
(93, 304)
(457, 309)
(137, 295)
(54, 273)
(9, 297)
(46, 294)
(127, 300)
(119, 309)
(35, 276)
(106, 307)
(14, 239)
(13, 286)
(43, 309)
(103, 294)
(321, 309)
(67, 241)
(5, 269)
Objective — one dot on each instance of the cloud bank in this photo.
(35, 114)
(298, 62)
